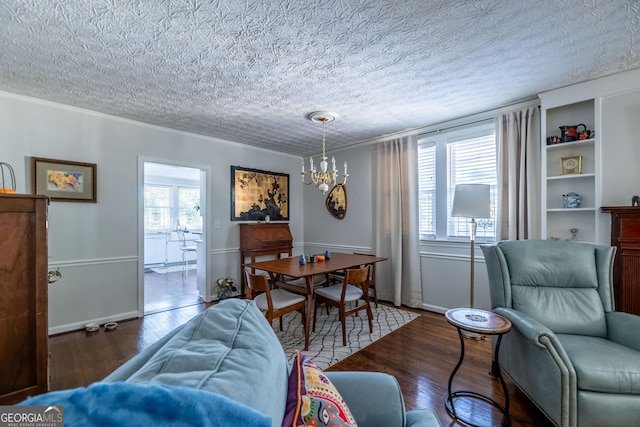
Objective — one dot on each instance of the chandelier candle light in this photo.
(323, 179)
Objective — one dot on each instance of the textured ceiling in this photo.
(250, 71)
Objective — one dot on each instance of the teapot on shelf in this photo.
(570, 132)
(586, 134)
(571, 200)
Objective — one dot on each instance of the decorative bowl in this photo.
(91, 327)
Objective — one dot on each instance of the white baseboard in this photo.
(100, 321)
(434, 308)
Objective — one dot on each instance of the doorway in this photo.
(173, 229)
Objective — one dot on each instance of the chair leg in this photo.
(304, 317)
(344, 328)
(281, 323)
(315, 313)
(185, 265)
(370, 316)
(375, 296)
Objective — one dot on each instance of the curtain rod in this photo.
(487, 120)
(485, 116)
(418, 131)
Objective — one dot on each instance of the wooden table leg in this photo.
(309, 282)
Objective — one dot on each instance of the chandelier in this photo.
(323, 178)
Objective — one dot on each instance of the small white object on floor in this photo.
(91, 327)
(110, 325)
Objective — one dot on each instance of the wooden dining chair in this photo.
(372, 278)
(276, 302)
(300, 282)
(338, 276)
(346, 296)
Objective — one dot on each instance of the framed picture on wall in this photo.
(258, 195)
(63, 180)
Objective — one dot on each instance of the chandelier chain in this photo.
(324, 132)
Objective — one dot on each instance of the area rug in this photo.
(172, 268)
(325, 344)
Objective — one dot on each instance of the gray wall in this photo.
(353, 232)
(98, 246)
(621, 148)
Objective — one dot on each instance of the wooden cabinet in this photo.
(584, 180)
(24, 347)
(625, 235)
(263, 239)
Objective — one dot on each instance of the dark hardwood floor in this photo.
(421, 355)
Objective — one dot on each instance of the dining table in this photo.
(278, 269)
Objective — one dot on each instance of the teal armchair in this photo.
(569, 351)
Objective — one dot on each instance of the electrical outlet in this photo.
(216, 223)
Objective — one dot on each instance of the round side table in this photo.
(485, 323)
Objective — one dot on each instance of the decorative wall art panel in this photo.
(259, 195)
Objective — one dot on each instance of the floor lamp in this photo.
(471, 201)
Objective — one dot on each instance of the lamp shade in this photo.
(471, 201)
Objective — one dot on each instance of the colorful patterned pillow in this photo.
(312, 400)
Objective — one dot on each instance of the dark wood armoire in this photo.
(24, 345)
(625, 235)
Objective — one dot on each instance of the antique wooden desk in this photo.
(263, 239)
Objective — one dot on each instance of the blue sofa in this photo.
(231, 350)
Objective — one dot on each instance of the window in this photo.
(189, 208)
(448, 158)
(157, 207)
(167, 207)
(427, 198)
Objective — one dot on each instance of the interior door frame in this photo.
(205, 191)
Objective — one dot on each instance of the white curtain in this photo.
(519, 174)
(395, 221)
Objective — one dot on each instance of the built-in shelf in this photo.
(574, 176)
(565, 145)
(569, 210)
(557, 220)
